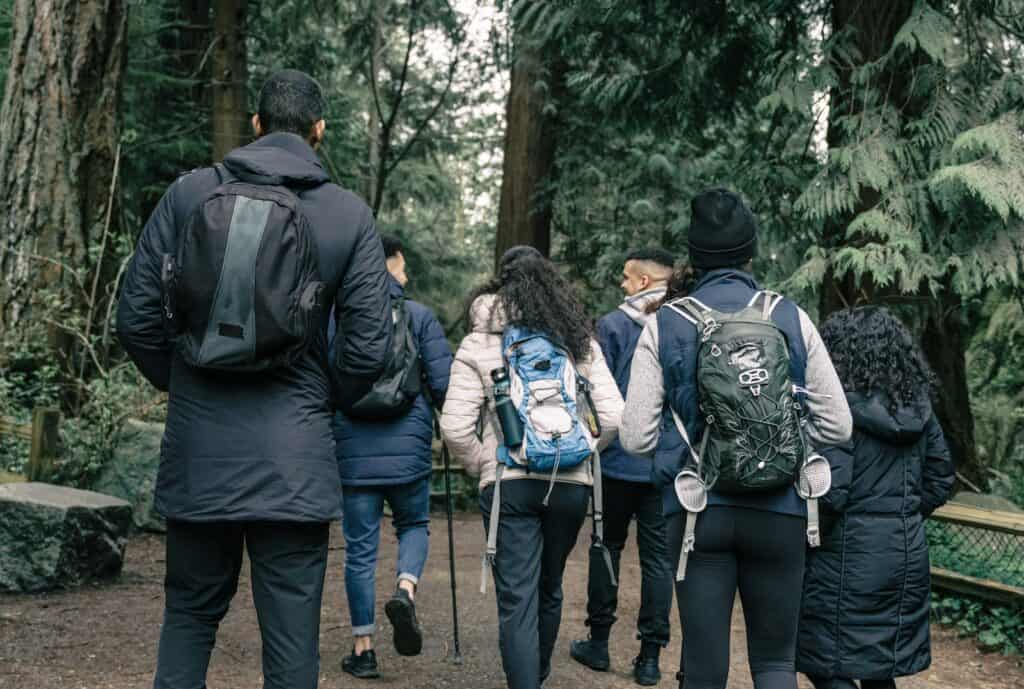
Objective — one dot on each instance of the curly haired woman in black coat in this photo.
(866, 591)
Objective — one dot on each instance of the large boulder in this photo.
(131, 473)
(55, 537)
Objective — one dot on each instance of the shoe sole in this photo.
(650, 683)
(408, 638)
(599, 667)
(362, 674)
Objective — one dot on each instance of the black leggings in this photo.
(760, 553)
(839, 683)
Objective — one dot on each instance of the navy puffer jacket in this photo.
(618, 333)
(396, 451)
(867, 588)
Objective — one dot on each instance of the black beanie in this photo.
(723, 231)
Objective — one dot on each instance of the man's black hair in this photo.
(392, 245)
(653, 255)
(290, 101)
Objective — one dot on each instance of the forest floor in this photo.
(105, 636)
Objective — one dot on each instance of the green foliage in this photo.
(996, 628)
(6, 19)
(88, 440)
(650, 119)
(927, 175)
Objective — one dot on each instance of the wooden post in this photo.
(45, 438)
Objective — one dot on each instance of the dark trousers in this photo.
(624, 500)
(288, 562)
(534, 542)
(762, 555)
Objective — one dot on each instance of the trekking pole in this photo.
(457, 653)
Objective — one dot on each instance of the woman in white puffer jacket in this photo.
(539, 520)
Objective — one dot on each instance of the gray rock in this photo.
(131, 473)
(55, 537)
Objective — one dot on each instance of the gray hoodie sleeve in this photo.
(645, 398)
(829, 422)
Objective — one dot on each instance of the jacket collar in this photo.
(395, 288)
(293, 143)
(724, 277)
(636, 306)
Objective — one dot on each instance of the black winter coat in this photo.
(248, 447)
(867, 588)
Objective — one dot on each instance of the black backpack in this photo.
(398, 386)
(243, 291)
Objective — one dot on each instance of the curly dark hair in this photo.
(536, 296)
(874, 352)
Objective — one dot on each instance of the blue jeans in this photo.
(363, 508)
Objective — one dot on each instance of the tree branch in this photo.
(426, 120)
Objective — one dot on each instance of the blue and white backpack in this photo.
(543, 385)
(551, 398)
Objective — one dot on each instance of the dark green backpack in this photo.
(752, 441)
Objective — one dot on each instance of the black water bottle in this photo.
(508, 417)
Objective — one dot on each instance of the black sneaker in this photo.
(363, 666)
(402, 613)
(645, 667)
(593, 654)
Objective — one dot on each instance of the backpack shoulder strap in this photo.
(769, 302)
(691, 309)
(223, 175)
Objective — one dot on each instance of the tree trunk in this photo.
(373, 128)
(873, 25)
(524, 217)
(944, 341)
(58, 139)
(230, 114)
(187, 46)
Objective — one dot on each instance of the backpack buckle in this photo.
(754, 378)
(710, 326)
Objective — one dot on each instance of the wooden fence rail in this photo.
(1010, 524)
(43, 436)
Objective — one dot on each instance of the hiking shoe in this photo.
(645, 671)
(593, 654)
(402, 613)
(645, 665)
(363, 666)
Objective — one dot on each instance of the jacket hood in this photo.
(872, 415)
(486, 315)
(278, 158)
(636, 306)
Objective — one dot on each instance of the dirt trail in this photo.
(105, 637)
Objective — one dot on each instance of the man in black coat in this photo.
(249, 457)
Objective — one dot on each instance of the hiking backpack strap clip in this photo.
(813, 482)
(598, 499)
(697, 313)
(492, 530)
(691, 492)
